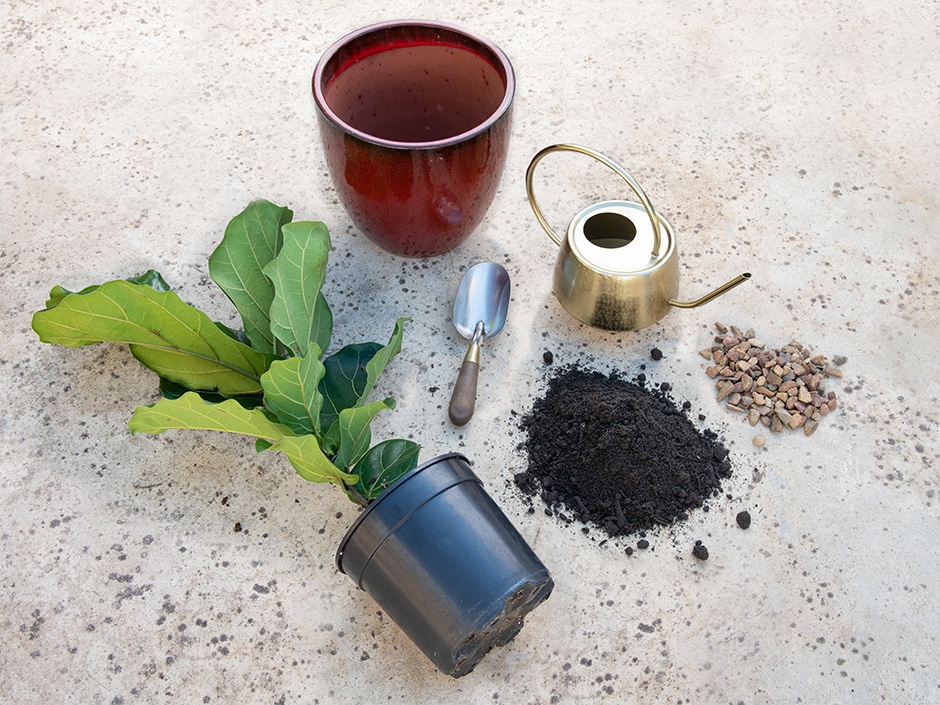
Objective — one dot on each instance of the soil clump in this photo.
(605, 451)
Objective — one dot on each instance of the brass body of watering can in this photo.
(617, 267)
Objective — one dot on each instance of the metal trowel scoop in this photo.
(480, 309)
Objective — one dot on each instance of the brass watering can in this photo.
(618, 267)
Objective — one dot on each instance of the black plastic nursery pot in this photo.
(443, 561)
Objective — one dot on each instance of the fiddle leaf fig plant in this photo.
(271, 380)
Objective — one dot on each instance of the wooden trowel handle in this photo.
(464, 397)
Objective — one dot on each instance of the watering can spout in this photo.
(727, 286)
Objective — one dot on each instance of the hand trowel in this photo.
(480, 309)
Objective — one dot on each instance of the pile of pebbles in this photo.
(778, 388)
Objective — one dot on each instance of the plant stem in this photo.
(354, 493)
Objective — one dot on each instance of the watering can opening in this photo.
(609, 230)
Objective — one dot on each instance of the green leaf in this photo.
(291, 391)
(351, 374)
(251, 241)
(311, 464)
(350, 435)
(175, 340)
(172, 390)
(384, 463)
(377, 364)
(299, 313)
(321, 325)
(345, 380)
(191, 412)
(151, 278)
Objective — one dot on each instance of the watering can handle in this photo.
(530, 172)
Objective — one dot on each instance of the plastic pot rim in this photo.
(401, 480)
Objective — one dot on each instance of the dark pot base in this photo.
(501, 630)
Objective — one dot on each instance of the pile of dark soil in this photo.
(616, 454)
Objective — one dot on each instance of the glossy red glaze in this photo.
(412, 197)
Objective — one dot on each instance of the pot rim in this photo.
(498, 59)
(391, 488)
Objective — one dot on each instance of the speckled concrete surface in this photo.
(795, 140)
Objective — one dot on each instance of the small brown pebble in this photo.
(725, 390)
(721, 329)
(759, 440)
(840, 360)
(809, 428)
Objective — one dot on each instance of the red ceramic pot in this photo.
(414, 120)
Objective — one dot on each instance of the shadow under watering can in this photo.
(618, 266)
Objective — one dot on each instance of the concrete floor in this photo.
(795, 140)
